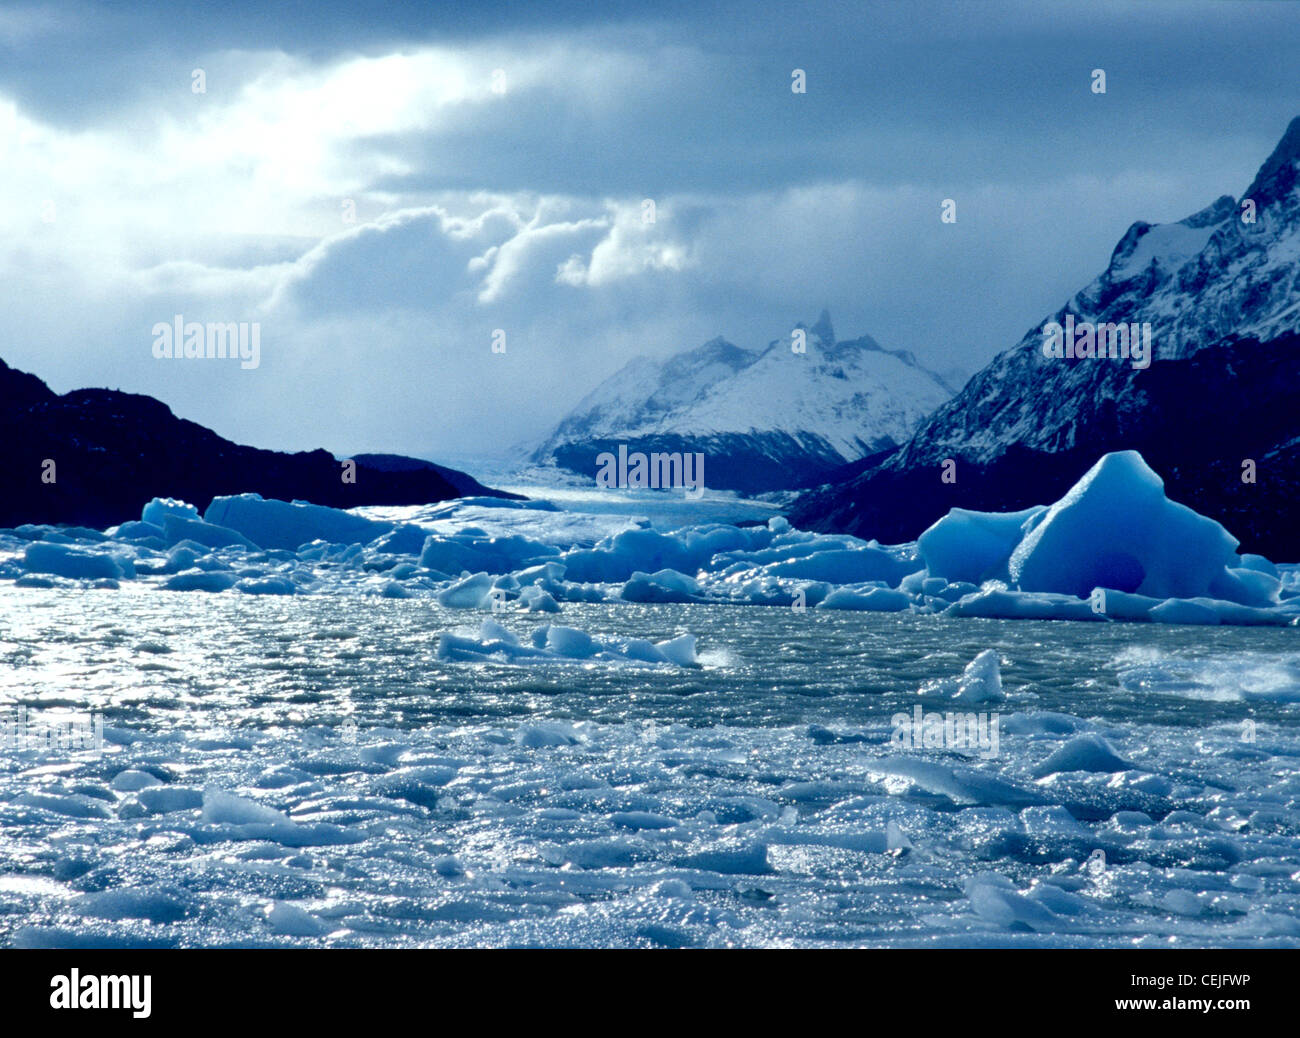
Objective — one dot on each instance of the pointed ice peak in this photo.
(1277, 176)
(823, 328)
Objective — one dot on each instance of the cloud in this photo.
(517, 202)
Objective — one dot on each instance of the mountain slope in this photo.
(764, 419)
(113, 452)
(465, 484)
(1222, 297)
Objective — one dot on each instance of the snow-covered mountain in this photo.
(1222, 297)
(764, 419)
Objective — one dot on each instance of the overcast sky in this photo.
(498, 157)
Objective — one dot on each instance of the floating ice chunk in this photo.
(615, 559)
(198, 580)
(237, 810)
(1116, 529)
(183, 556)
(1121, 605)
(63, 561)
(895, 839)
(548, 733)
(961, 785)
(667, 585)
(473, 592)
(974, 546)
(995, 899)
(207, 534)
(41, 532)
(404, 540)
(156, 906)
(1022, 605)
(1087, 752)
(679, 650)
(248, 820)
(134, 530)
(471, 549)
(1247, 586)
(291, 921)
(161, 800)
(495, 643)
(732, 859)
(1181, 611)
(490, 630)
(157, 511)
(642, 820)
(980, 682)
(877, 599)
(1232, 613)
(1259, 564)
(547, 573)
(571, 642)
(848, 566)
(72, 805)
(534, 600)
(287, 524)
(131, 781)
(643, 651)
(448, 866)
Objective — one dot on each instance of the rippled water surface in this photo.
(306, 770)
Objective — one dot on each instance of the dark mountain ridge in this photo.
(112, 452)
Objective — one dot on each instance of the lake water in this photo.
(308, 770)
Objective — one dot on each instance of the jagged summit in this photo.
(767, 419)
(823, 329)
(1276, 178)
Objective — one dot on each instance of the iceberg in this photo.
(974, 546)
(665, 586)
(848, 566)
(1088, 752)
(471, 549)
(876, 599)
(208, 535)
(495, 643)
(288, 524)
(980, 682)
(1116, 529)
(63, 561)
(155, 513)
(198, 580)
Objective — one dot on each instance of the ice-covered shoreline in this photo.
(1113, 549)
